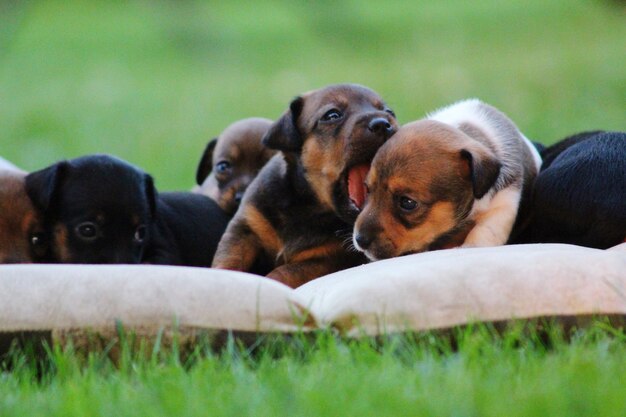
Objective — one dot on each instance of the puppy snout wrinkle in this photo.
(380, 125)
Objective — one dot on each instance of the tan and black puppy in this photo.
(232, 160)
(94, 209)
(453, 179)
(299, 211)
(21, 237)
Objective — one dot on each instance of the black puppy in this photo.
(580, 194)
(186, 230)
(94, 209)
(100, 209)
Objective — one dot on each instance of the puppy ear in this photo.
(206, 162)
(284, 135)
(484, 169)
(42, 186)
(151, 194)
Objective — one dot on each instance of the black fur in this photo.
(206, 162)
(484, 172)
(186, 230)
(100, 193)
(580, 193)
(550, 153)
(284, 135)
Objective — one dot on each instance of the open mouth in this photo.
(356, 184)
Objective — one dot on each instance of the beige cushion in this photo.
(457, 286)
(49, 297)
(418, 292)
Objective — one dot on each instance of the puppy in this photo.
(580, 194)
(186, 230)
(549, 154)
(231, 161)
(297, 208)
(21, 238)
(454, 178)
(94, 209)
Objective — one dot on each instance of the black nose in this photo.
(238, 196)
(380, 125)
(364, 241)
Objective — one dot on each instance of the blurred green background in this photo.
(153, 81)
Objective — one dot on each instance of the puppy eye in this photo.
(222, 167)
(37, 239)
(140, 234)
(391, 112)
(331, 115)
(87, 231)
(407, 204)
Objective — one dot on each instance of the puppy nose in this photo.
(364, 241)
(380, 125)
(238, 196)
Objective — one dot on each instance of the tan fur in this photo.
(441, 166)
(440, 219)
(494, 225)
(323, 167)
(17, 218)
(310, 178)
(60, 243)
(262, 228)
(240, 145)
(328, 250)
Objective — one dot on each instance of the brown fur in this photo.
(302, 193)
(239, 145)
(19, 222)
(424, 161)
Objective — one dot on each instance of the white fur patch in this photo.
(7, 166)
(494, 218)
(534, 152)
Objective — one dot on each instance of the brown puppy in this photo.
(21, 240)
(231, 161)
(455, 178)
(296, 210)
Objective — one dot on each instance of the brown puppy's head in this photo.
(231, 161)
(422, 188)
(21, 240)
(331, 136)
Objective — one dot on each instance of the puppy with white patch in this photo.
(455, 178)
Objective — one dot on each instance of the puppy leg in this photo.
(238, 249)
(296, 274)
(314, 263)
(493, 226)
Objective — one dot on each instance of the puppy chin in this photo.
(372, 255)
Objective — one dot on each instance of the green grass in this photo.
(152, 81)
(478, 372)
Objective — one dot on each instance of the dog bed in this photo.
(435, 290)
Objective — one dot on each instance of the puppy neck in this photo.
(296, 178)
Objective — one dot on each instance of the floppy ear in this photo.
(484, 169)
(206, 162)
(284, 135)
(151, 194)
(43, 185)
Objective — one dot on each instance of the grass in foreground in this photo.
(477, 372)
